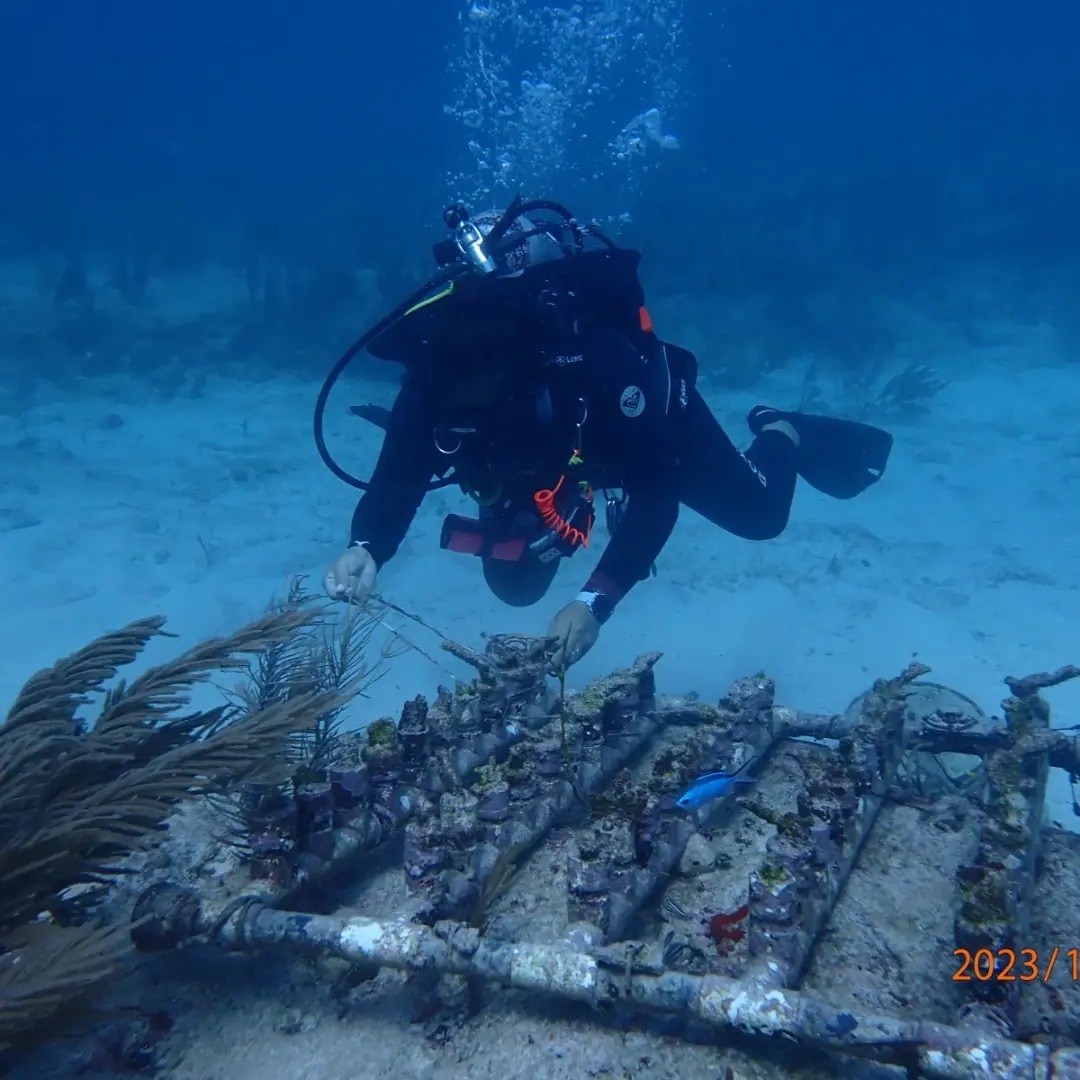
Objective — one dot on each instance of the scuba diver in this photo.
(534, 380)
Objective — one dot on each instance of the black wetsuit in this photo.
(646, 431)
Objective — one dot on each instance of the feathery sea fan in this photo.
(76, 799)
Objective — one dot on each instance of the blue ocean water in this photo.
(855, 208)
(869, 144)
(226, 113)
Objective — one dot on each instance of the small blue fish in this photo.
(714, 785)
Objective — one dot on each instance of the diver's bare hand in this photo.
(352, 576)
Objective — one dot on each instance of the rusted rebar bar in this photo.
(811, 855)
(996, 890)
(460, 845)
(619, 863)
(379, 778)
(1062, 745)
(168, 914)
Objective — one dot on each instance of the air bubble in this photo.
(545, 86)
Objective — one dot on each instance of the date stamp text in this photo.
(1015, 965)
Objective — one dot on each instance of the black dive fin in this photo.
(841, 458)
(373, 414)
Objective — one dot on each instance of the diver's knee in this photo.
(768, 524)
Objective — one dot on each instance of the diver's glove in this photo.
(352, 576)
(576, 627)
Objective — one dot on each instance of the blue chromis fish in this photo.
(714, 785)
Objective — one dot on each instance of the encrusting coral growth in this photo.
(640, 904)
(77, 797)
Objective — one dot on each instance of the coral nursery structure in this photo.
(881, 884)
(716, 914)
